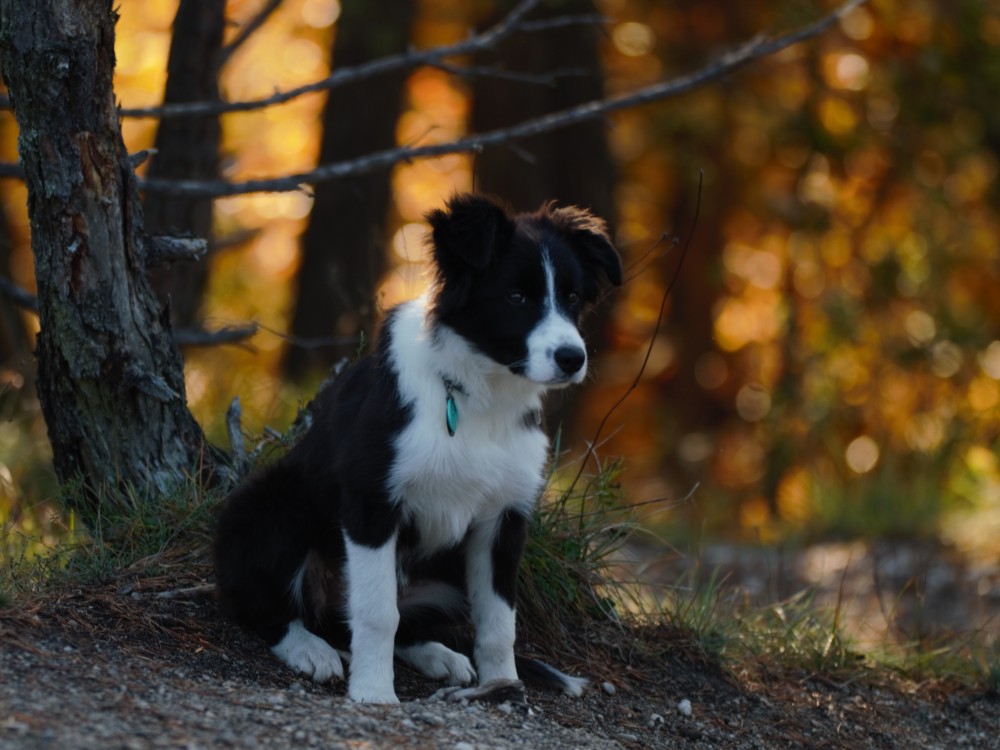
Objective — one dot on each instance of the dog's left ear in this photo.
(588, 234)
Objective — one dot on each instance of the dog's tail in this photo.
(439, 612)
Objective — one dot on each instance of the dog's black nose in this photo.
(569, 358)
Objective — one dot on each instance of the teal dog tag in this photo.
(451, 414)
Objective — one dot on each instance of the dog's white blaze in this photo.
(437, 661)
(492, 617)
(374, 617)
(553, 331)
(309, 654)
(444, 483)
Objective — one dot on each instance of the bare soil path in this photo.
(149, 663)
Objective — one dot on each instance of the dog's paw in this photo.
(364, 692)
(438, 662)
(309, 654)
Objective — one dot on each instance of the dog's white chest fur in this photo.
(444, 483)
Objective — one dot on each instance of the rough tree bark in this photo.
(187, 148)
(110, 378)
(343, 248)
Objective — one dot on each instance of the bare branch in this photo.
(17, 295)
(475, 43)
(11, 170)
(755, 49)
(581, 19)
(139, 157)
(246, 32)
(162, 251)
(225, 335)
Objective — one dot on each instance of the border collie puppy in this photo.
(405, 506)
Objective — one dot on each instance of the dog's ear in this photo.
(469, 231)
(588, 235)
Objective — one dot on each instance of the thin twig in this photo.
(245, 33)
(550, 78)
(582, 19)
(189, 592)
(649, 349)
(315, 342)
(755, 49)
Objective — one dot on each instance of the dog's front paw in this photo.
(309, 654)
(438, 662)
(362, 692)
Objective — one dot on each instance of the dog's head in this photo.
(515, 285)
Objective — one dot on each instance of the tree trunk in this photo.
(110, 380)
(572, 165)
(187, 148)
(343, 248)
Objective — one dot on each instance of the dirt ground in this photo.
(148, 662)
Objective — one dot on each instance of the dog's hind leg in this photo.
(308, 654)
(261, 554)
(432, 614)
(438, 662)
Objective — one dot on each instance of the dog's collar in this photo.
(451, 387)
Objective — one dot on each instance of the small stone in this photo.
(654, 720)
(684, 707)
(464, 746)
(608, 688)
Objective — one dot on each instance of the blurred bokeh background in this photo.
(828, 368)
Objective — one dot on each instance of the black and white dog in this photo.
(406, 503)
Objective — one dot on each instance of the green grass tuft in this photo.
(797, 635)
(571, 571)
(134, 533)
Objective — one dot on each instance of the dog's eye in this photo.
(516, 297)
(573, 298)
